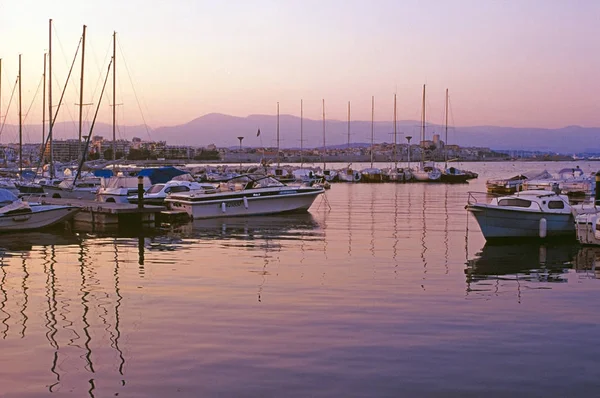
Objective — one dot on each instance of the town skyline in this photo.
(519, 65)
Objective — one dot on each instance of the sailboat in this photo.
(348, 174)
(396, 174)
(74, 188)
(328, 175)
(372, 174)
(452, 174)
(426, 171)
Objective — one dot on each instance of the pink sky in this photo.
(531, 63)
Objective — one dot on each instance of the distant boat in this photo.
(426, 171)
(451, 174)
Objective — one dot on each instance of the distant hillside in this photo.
(223, 130)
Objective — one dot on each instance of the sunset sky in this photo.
(529, 63)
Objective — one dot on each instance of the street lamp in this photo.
(240, 138)
(408, 138)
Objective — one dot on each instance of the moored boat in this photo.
(246, 195)
(17, 215)
(526, 214)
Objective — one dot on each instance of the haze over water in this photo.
(381, 290)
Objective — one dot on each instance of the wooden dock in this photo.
(108, 214)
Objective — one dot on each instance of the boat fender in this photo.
(223, 207)
(594, 225)
(543, 227)
(246, 203)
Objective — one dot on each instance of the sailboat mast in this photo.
(114, 91)
(81, 81)
(278, 134)
(301, 134)
(423, 130)
(395, 136)
(44, 105)
(446, 138)
(50, 121)
(0, 90)
(348, 125)
(372, 126)
(324, 147)
(20, 126)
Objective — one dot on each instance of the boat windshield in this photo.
(156, 188)
(514, 202)
(256, 181)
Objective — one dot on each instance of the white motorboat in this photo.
(85, 189)
(118, 189)
(156, 194)
(16, 215)
(526, 214)
(246, 195)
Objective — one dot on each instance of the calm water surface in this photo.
(381, 290)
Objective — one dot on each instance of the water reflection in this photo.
(284, 227)
(526, 262)
(587, 262)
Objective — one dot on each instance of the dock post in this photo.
(597, 193)
(140, 192)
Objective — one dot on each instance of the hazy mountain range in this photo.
(223, 130)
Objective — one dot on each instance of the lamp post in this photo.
(240, 138)
(408, 138)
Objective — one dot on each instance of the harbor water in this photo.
(381, 290)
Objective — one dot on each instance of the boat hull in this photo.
(246, 205)
(42, 216)
(55, 192)
(497, 224)
(349, 176)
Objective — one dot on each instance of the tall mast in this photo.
(81, 81)
(278, 134)
(348, 124)
(324, 147)
(423, 130)
(301, 134)
(20, 126)
(114, 117)
(446, 138)
(44, 106)
(395, 136)
(50, 118)
(372, 126)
